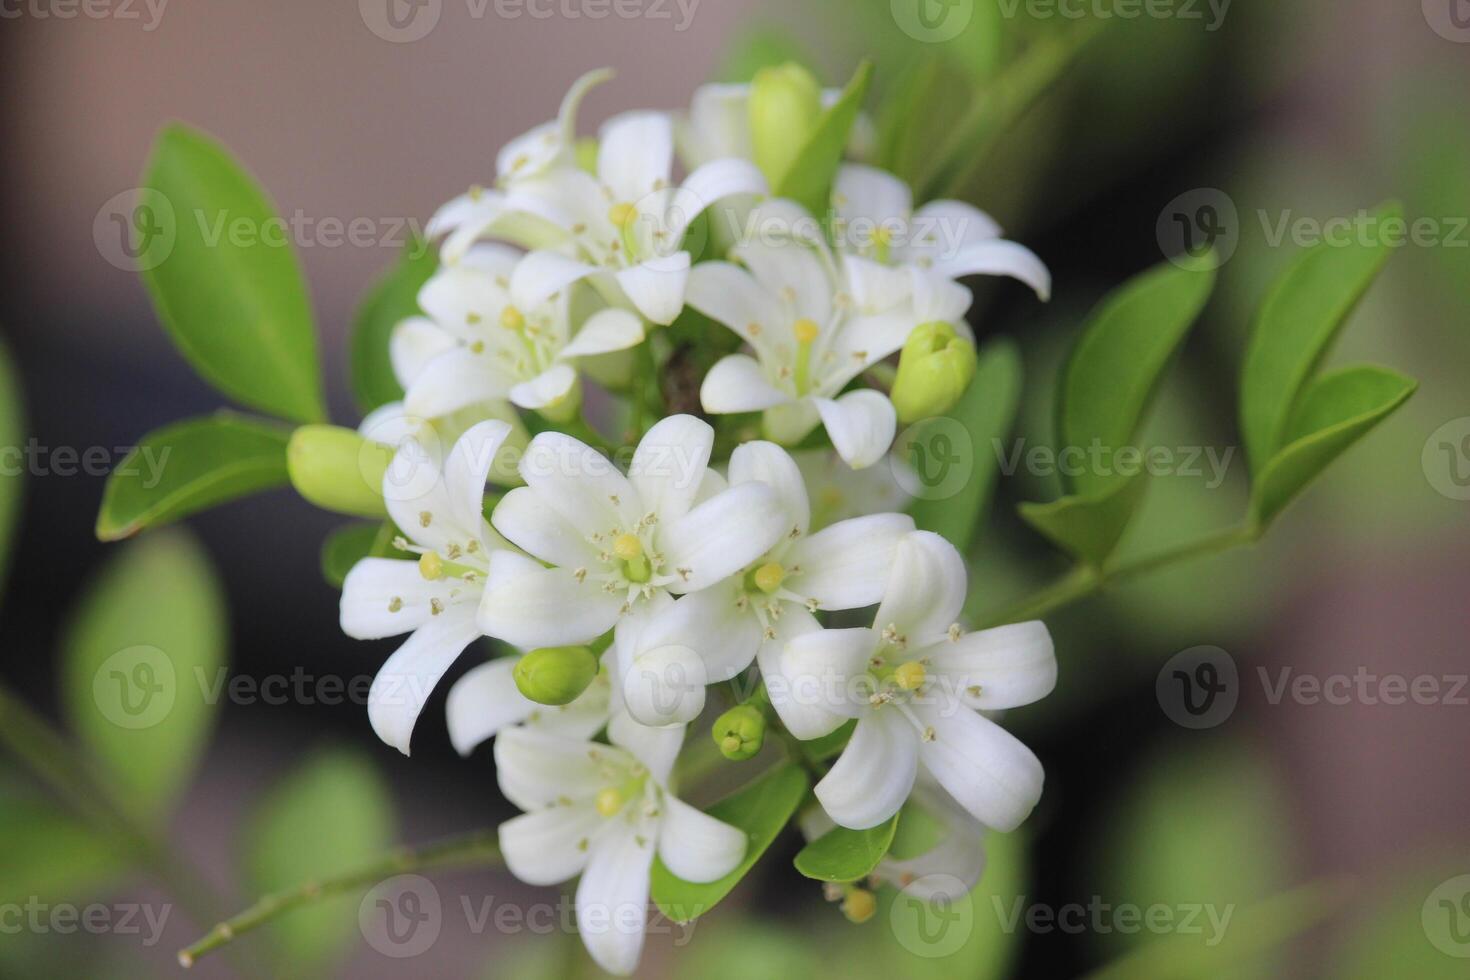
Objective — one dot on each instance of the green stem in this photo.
(467, 850)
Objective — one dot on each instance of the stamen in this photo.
(909, 676)
(609, 801)
(769, 576)
(512, 319)
(431, 566)
(621, 215)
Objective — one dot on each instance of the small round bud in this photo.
(338, 470)
(785, 105)
(740, 732)
(933, 371)
(859, 906)
(909, 675)
(555, 675)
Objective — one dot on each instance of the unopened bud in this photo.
(860, 905)
(740, 732)
(934, 369)
(555, 675)
(338, 470)
(785, 104)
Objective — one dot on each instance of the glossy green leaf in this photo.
(230, 291)
(1334, 412)
(330, 814)
(987, 412)
(761, 810)
(144, 667)
(1410, 923)
(1114, 371)
(392, 299)
(1087, 527)
(846, 855)
(190, 466)
(809, 181)
(12, 429)
(1302, 314)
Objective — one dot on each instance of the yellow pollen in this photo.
(431, 566)
(859, 905)
(609, 802)
(627, 546)
(806, 330)
(512, 318)
(622, 215)
(909, 675)
(768, 577)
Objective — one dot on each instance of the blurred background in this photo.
(1347, 816)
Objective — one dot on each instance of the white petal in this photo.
(579, 483)
(484, 701)
(983, 766)
(547, 388)
(875, 288)
(938, 298)
(657, 287)
(867, 194)
(711, 624)
(715, 181)
(456, 378)
(536, 770)
(768, 463)
(1009, 665)
(656, 747)
(583, 718)
(941, 229)
(528, 523)
(865, 340)
(529, 606)
(368, 592)
(408, 677)
(719, 124)
(413, 344)
(737, 384)
(861, 425)
(695, 846)
(872, 778)
(998, 258)
(926, 590)
(787, 269)
(722, 535)
(541, 275)
(803, 704)
(665, 686)
(669, 465)
(825, 667)
(954, 866)
(791, 421)
(547, 847)
(635, 154)
(612, 897)
(465, 207)
(729, 295)
(846, 566)
(460, 298)
(605, 331)
(467, 469)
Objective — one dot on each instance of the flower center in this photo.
(768, 577)
(629, 549)
(806, 332)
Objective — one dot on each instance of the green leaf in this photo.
(144, 662)
(332, 813)
(846, 855)
(47, 853)
(987, 411)
(392, 299)
(1087, 527)
(761, 810)
(231, 291)
(1335, 411)
(191, 466)
(12, 429)
(1302, 314)
(809, 181)
(350, 544)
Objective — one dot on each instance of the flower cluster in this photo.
(631, 586)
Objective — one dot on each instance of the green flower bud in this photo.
(555, 675)
(740, 732)
(338, 470)
(933, 371)
(785, 104)
(859, 905)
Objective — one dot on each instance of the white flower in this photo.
(435, 598)
(486, 701)
(876, 226)
(603, 811)
(810, 335)
(917, 684)
(949, 869)
(838, 491)
(481, 342)
(615, 541)
(845, 566)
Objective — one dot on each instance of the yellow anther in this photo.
(609, 801)
(622, 215)
(859, 906)
(768, 577)
(806, 330)
(431, 566)
(627, 546)
(512, 319)
(909, 675)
